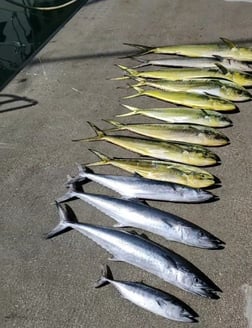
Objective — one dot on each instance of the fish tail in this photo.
(142, 61)
(134, 111)
(141, 82)
(73, 187)
(99, 134)
(104, 159)
(130, 71)
(125, 77)
(80, 177)
(139, 90)
(106, 277)
(143, 49)
(66, 218)
(118, 125)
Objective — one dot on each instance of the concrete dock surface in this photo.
(49, 283)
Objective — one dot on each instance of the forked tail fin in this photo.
(143, 50)
(99, 134)
(118, 125)
(106, 277)
(66, 218)
(139, 90)
(103, 158)
(134, 111)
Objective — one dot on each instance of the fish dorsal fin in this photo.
(229, 43)
(221, 68)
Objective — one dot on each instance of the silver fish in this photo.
(196, 62)
(149, 298)
(129, 213)
(143, 188)
(142, 253)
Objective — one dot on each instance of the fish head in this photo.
(198, 237)
(177, 310)
(197, 283)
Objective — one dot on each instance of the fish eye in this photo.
(196, 280)
(200, 234)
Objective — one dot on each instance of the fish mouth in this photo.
(210, 290)
(190, 318)
(189, 315)
(216, 244)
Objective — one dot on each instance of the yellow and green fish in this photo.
(178, 152)
(187, 175)
(174, 74)
(182, 115)
(226, 50)
(190, 99)
(195, 134)
(220, 88)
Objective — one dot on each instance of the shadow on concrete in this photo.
(12, 102)
(97, 55)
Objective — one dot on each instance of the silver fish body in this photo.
(149, 298)
(197, 62)
(139, 187)
(142, 253)
(135, 214)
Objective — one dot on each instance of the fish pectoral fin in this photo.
(229, 43)
(114, 259)
(143, 235)
(139, 201)
(221, 68)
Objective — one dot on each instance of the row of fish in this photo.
(139, 251)
(172, 171)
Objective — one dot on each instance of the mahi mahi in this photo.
(174, 74)
(195, 134)
(149, 298)
(182, 115)
(132, 213)
(178, 152)
(197, 62)
(142, 253)
(190, 99)
(131, 187)
(220, 88)
(187, 175)
(226, 50)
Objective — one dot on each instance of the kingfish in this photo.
(220, 88)
(131, 187)
(193, 100)
(197, 62)
(226, 50)
(187, 175)
(178, 152)
(130, 213)
(174, 74)
(142, 253)
(195, 134)
(182, 115)
(149, 298)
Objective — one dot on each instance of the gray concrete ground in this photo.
(49, 283)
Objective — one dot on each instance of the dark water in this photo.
(23, 32)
